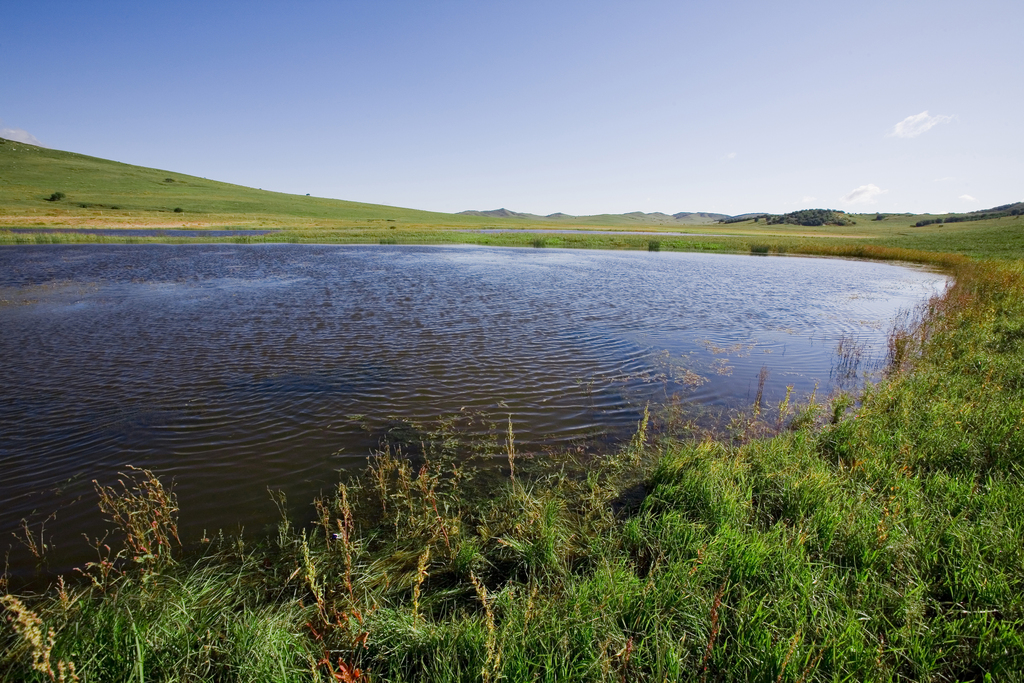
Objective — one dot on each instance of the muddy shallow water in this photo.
(234, 368)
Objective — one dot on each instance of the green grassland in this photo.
(106, 194)
(870, 538)
(101, 193)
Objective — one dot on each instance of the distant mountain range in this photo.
(655, 218)
(702, 217)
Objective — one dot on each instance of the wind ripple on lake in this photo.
(237, 368)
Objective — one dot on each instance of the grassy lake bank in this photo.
(871, 539)
(46, 189)
(877, 541)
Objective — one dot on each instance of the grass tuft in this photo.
(881, 545)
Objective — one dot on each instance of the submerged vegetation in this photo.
(870, 540)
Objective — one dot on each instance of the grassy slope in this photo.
(29, 174)
(880, 541)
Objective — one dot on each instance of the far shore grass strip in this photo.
(98, 193)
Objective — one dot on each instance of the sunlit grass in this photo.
(871, 541)
(99, 193)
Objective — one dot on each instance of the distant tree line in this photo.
(811, 217)
(979, 216)
(740, 219)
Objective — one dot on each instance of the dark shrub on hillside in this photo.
(56, 197)
(1003, 211)
(812, 217)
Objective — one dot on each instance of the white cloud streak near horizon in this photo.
(19, 135)
(803, 201)
(967, 198)
(865, 194)
(912, 126)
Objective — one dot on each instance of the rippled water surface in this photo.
(236, 368)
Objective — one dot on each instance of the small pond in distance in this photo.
(234, 368)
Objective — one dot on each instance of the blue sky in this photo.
(581, 107)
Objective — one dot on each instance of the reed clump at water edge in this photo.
(878, 540)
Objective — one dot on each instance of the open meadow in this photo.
(98, 193)
(844, 538)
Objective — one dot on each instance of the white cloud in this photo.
(865, 194)
(807, 200)
(967, 198)
(19, 135)
(944, 179)
(730, 155)
(912, 126)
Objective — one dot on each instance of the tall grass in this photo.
(871, 541)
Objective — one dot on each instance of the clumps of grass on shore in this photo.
(878, 540)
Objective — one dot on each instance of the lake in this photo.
(231, 369)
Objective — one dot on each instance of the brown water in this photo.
(234, 368)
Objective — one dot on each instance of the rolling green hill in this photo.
(48, 188)
(875, 537)
(112, 192)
